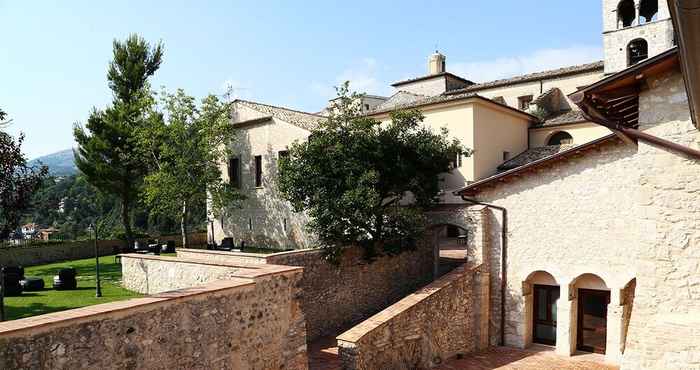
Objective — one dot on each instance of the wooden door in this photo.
(592, 320)
(544, 321)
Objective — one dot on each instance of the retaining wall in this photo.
(335, 297)
(433, 324)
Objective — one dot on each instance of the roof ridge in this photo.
(524, 77)
(278, 107)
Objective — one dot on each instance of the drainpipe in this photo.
(504, 259)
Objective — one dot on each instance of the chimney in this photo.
(436, 63)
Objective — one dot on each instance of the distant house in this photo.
(46, 234)
(29, 231)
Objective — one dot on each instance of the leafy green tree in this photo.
(108, 151)
(367, 183)
(185, 150)
(18, 181)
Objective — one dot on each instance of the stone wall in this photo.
(154, 274)
(239, 323)
(620, 212)
(30, 255)
(423, 329)
(336, 297)
(222, 256)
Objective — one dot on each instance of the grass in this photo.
(49, 300)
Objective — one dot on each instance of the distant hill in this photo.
(59, 163)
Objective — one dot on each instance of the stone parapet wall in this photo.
(155, 274)
(433, 324)
(239, 323)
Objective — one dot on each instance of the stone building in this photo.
(602, 240)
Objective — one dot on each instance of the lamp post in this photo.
(2, 295)
(98, 291)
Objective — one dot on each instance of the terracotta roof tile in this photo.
(560, 72)
(428, 77)
(533, 154)
(563, 118)
(301, 119)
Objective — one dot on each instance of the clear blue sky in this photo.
(54, 54)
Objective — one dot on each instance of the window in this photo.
(284, 224)
(250, 224)
(560, 138)
(506, 156)
(625, 13)
(456, 161)
(637, 50)
(258, 171)
(499, 100)
(234, 172)
(366, 107)
(282, 154)
(524, 102)
(648, 11)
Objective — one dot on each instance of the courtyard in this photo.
(323, 355)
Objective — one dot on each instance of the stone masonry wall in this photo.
(241, 324)
(337, 297)
(620, 212)
(420, 331)
(222, 256)
(39, 254)
(153, 274)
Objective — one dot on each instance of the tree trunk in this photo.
(183, 224)
(126, 221)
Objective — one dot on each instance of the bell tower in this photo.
(634, 30)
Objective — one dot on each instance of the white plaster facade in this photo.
(626, 214)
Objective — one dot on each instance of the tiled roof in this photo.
(428, 77)
(563, 118)
(399, 99)
(304, 120)
(476, 186)
(533, 154)
(589, 67)
(442, 98)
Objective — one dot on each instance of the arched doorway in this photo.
(542, 319)
(592, 299)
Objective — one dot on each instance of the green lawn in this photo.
(49, 300)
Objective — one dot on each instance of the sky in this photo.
(54, 54)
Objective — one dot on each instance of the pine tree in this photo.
(108, 152)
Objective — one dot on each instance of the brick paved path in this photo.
(536, 358)
(323, 355)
